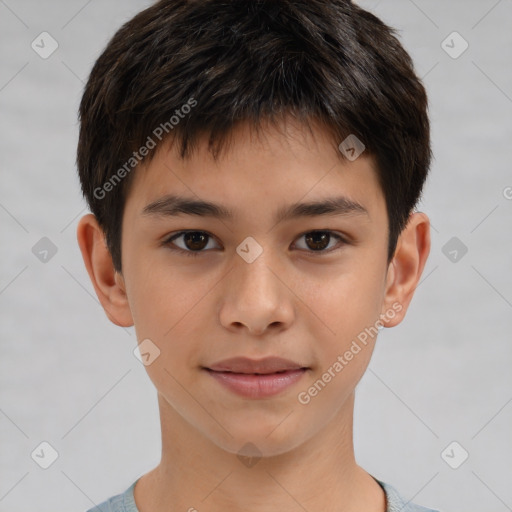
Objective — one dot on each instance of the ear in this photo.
(108, 284)
(405, 269)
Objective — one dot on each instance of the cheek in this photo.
(159, 296)
(351, 309)
(347, 303)
(171, 308)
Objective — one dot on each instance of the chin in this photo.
(258, 442)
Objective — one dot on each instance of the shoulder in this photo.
(123, 502)
(395, 502)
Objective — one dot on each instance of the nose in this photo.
(256, 298)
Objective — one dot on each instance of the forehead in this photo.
(278, 164)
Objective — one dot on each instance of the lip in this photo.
(253, 378)
(262, 366)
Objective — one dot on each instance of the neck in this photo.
(319, 475)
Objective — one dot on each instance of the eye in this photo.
(318, 241)
(194, 242)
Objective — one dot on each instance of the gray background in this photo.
(68, 376)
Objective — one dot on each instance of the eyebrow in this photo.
(174, 205)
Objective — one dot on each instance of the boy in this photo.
(252, 169)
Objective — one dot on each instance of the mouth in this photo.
(263, 366)
(256, 378)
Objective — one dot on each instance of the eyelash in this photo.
(194, 254)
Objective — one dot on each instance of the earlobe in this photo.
(108, 284)
(404, 271)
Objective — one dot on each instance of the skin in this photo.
(290, 302)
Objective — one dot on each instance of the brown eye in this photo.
(319, 241)
(195, 240)
(193, 244)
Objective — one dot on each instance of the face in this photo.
(267, 279)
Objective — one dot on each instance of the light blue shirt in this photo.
(125, 502)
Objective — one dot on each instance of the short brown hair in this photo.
(239, 60)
